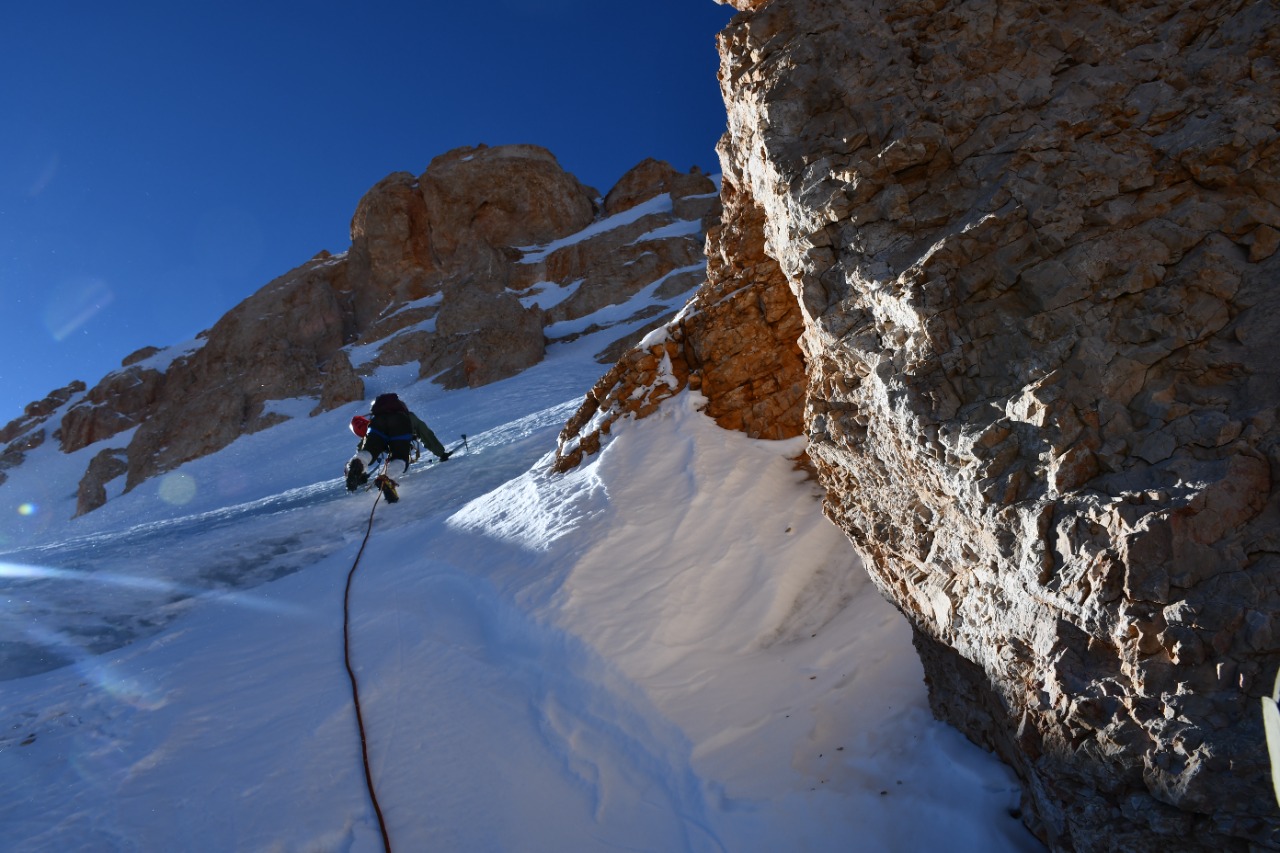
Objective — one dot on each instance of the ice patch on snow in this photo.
(292, 407)
(163, 359)
(680, 228)
(547, 294)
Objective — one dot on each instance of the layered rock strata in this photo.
(1035, 251)
(468, 269)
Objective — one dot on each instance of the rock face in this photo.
(106, 466)
(1035, 251)
(450, 269)
(28, 430)
(735, 343)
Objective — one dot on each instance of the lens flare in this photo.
(23, 571)
(27, 509)
(75, 303)
(116, 682)
(177, 489)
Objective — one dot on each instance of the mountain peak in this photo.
(467, 271)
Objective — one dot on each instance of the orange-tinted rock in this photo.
(1042, 330)
(117, 403)
(736, 344)
(652, 178)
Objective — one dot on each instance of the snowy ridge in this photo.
(669, 649)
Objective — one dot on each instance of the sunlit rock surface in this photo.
(1035, 251)
(736, 343)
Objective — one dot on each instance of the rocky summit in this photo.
(468, 270)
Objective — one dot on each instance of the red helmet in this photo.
(360, 425)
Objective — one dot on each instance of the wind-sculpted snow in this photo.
(667, 650)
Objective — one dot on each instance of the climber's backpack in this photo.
(391, 422)
(385, 404)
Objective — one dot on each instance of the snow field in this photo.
(668, 649)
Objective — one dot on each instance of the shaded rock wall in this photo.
(1034, 247)
(105, 466)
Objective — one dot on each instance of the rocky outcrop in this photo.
(654, 177)
(139, 355)
(498, 336)
(28, 431)
(106, 466)
(1035, 252)
(269, 347)
(486, 201)
(518, 252)
(15, 452)
(340, 384)
(652, 237)
(37, 412)
(735, 343)
(117, 403)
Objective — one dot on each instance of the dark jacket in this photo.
(393, 427)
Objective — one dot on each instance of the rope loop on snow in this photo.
(355, 688)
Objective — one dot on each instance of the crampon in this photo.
(387, 486)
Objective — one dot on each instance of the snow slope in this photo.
(669, 649)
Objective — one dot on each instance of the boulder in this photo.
(106, 466)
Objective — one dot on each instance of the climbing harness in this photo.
(355, 688)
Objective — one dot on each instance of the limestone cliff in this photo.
(1034, 249)
(468, 270)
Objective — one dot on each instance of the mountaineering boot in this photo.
(356, 477)
(388, 488)
(446, 456)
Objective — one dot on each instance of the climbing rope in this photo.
(355, 688)
(346, 650)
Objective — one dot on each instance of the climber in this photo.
(390, 428)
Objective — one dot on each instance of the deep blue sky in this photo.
(160, 161)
